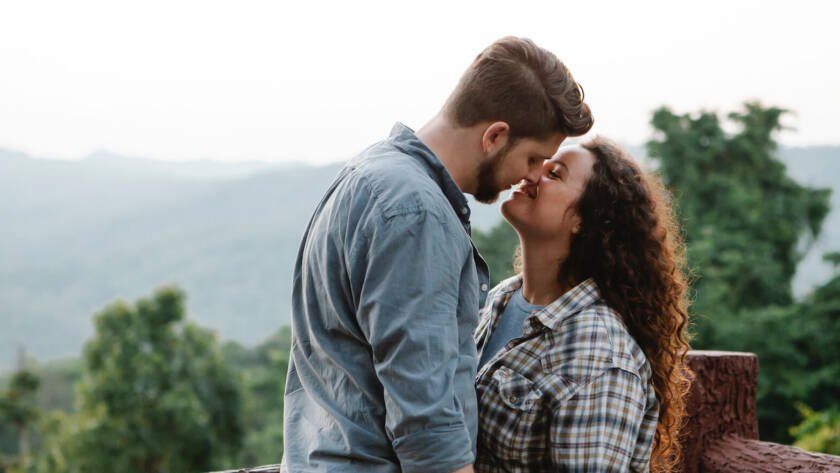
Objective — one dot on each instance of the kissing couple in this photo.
(403, 359)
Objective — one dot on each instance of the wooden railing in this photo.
(721, 433)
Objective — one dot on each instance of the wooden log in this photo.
(733, 454)
(721, 402)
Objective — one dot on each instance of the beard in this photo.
(488, 188)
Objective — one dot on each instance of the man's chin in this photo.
(486, 198)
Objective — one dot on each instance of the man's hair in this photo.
(522, 84)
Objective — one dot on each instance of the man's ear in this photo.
(495, 137)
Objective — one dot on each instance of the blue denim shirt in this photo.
(387, 289)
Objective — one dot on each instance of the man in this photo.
(388, 285)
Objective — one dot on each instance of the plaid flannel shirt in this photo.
(572, 394)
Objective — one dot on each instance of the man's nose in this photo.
(533, 175)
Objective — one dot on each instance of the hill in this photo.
(79, 235)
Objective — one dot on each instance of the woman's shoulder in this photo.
(591, 342)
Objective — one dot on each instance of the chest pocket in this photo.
(516, 391)
(512, 419)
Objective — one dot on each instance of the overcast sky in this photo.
(316, 81)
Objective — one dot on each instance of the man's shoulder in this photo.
(397, 183)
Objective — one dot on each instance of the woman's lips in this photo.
(530, 193)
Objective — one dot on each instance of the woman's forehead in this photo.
(574, 156)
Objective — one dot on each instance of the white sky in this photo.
(317, 81)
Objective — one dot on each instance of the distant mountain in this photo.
(78, 235)
(104, 161)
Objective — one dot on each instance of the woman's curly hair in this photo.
(630, 243)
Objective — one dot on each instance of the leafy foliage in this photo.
(19, 411)
(263, 371)
(497, 247)
(819, 431)
(60, 428)
(156, 395)
(742, 214)
(745, 221)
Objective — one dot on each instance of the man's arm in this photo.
(407, 310)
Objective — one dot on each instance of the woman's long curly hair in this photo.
(630, 243)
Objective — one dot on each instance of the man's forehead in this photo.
(547, 147)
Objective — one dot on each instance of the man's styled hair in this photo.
(524, 85)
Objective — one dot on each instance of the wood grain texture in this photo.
(732, 454)
(721, 402)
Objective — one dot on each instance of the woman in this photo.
(583, 353)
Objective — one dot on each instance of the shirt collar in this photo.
(404, 139)
(554, 314)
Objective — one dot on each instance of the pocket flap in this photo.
(516, 391)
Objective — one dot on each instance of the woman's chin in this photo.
(512, 214)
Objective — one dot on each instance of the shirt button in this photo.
(513, 399)
(484, 287)
(465, 210)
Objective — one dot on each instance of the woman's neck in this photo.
(541, 280)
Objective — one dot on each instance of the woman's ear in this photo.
(577, 223)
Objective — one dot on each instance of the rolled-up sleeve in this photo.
(408, 312)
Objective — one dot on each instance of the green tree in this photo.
(19, 409)
(497, 246)
(833, 258)
(156, 395)
(263, 371)
(796, 346)
(742, 214)
(745, 220)
(818, 431)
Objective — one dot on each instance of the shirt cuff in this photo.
(441, 450)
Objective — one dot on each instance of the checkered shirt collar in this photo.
(552, 316)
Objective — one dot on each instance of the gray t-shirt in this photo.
(510, 325)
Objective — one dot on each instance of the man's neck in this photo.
(456, 147)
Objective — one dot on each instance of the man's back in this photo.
(385, 298)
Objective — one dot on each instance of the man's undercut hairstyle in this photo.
(517, 82)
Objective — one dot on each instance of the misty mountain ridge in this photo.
(78, 235)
